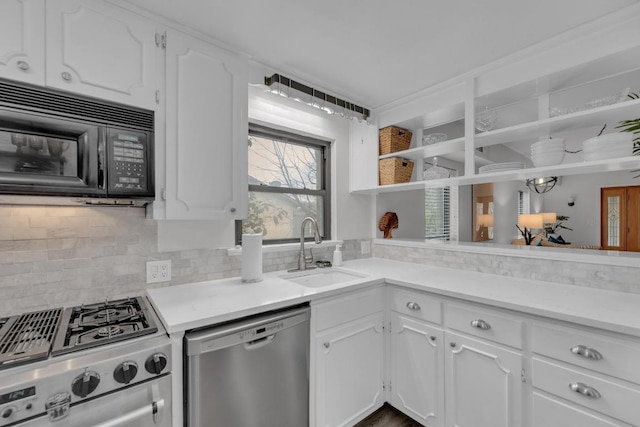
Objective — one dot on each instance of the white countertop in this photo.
(195, 305)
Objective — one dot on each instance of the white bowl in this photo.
(553, 142)
(610, 138)
(548, 150)
(551, 159)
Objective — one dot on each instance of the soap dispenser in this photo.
(337, 256)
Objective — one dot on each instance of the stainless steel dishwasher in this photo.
(250, 373)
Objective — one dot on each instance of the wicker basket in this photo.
(392, 139)
(395, 170)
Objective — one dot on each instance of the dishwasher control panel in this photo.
(270, 328)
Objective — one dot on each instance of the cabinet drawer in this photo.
(608, 397)
(416, 304)
(609, 355)
(485, 324)
(552, 412)
(343, 309)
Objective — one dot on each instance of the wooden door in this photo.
(620, 218)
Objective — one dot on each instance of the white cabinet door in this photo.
(349, 372)
(22, 40)
(363, 156)
(417, 370)
(483, 385)
(101, 51)
(206, 131)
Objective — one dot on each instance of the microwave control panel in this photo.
(129, 162)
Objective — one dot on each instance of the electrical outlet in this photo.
(365, 247)
(158, 271)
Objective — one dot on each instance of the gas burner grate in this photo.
(28, 337)
(98, 324)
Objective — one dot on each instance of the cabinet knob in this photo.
(23, 65)
(413, 306)
(452, 344)
(232, 210)
(585, 390)
(480, 324)
(66, 76)
(432, 337)
(586, 352)
(326, 345)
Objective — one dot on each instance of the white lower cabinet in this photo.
(447, 362)
(483, 384)
(416, 370)
(347, 370)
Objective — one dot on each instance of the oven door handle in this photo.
(155, 410)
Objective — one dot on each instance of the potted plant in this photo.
(632, 125)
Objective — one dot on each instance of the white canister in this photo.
(252, 257)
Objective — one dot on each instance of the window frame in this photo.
(325, 182)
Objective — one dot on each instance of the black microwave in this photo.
(57, 144)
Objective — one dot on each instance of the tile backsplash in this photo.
(63, 256)
(602, 276)
(58, 256)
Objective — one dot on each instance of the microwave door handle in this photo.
(102, 157)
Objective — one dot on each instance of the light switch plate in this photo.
(158, 271)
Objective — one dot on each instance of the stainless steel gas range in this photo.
(99, 365)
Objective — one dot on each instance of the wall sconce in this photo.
(542, 185)
(527, 222)
(318, 99)
(572, 200)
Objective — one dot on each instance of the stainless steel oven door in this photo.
(143, 405)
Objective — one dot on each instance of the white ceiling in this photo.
(374, 52)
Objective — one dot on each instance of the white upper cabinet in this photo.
(363, 159)
(98, 50)
(206, 131)
(22, 40)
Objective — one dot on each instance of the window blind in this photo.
(441, 213)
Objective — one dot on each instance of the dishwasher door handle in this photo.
(259, 343)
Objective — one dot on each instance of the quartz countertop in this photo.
(195, 305)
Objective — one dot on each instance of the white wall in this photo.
(351, 216)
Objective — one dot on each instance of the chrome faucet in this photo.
(302, 258)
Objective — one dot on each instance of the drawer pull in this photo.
(23, 65)
(413, 306)
(480, 324)
(586, 352)
(585, 390)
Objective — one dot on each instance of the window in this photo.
(437, 219)
(288, 181)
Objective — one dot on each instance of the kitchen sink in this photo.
(320, 277)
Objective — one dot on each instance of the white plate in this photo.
(495, 167)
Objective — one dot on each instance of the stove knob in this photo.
(7, 412)
(156, 363)
(125, 372)
(85, 384)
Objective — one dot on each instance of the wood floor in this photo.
(387, 416)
